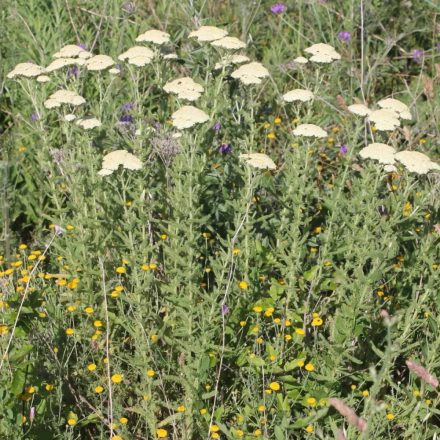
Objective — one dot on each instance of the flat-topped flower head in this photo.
(396, 106)
(250, 73)
(231, 43)
(208, 33)
(137, 55)
(187, 116)
(383, 153)
(113, 160)
(359, 109)
(64, 97)
(258, 160)
(322, 53)
(384, 120)
(28, 70)
(59, 63)
(184, 88)
(71, 51)
(154, 36)
(298, 95)
(88, 122)
(99, 62)
(43, 79)
(416, 162)
(230, 60)
(70, 117)
(301, 60)
(309, 130)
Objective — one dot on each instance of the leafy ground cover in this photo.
(219, 233)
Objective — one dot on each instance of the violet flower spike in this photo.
(225, 309)
(417, 55)
(344, 36)
(343, 149)
(278, 8)
(217, 126)
(224, 149)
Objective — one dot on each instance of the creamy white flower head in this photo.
(99, 62)
(322, 53)
(137, 55)
(416, 162)
(184, 88)
(208, 33)
(28, 70)
(154, 36)
(85, 55)
(64, 97)
(88, 122)
(258, 160)
(298, 95)
(309, 130)
(187, 116)
(59, 63)
(301, 60)
(359, 109)
(70, 117)
(114, 71)
(69, 51)
(43, 79)
(176, 135)
(231, 43)
(390, 168)
(113, 160)
(396, 106)
(250, 73)
(229, 60)
(384, 120)
(170, 56)
(380, 152)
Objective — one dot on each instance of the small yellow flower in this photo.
(215, 435)
(70, 227)
(119, 288)
(266, 125)
(69, 331)
(309, 367)
(117, 437)
(203, 411)
(22, 247)
(239, 433)
(71, 308)
(120, 269)
(365, 393)
(91, 367)
(117, 378)
(271, 135)
(274, 386)
(242, 323)
(71, 422)
(243, 285)
(300, 363)
(236, 251)
(309, 429)
(31, 390)
(89, 310)
(353, 386)
(161, 433)
(99, 389)
(269, 312)
(181, 408)
(151, 373)
(4, 329)
(258, 309)
(154, 338)
(277, 120)
(277, 320)
(163, 236)
(49, 387)
(390, 416)
(261, 408)
(311, 401)
(287, 337)
(299, 331)
(259, 340)
(97, 324)
(257, 433)
(123, 420)
(214, 428)
(317, 322)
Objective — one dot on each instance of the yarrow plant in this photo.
(199, 244)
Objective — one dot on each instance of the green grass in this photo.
(199, 297)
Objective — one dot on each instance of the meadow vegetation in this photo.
(219, 233)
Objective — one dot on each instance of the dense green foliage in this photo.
(199, 297)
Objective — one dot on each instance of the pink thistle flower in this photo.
(418, 370)
(349, 414)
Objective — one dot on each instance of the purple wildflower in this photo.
(129, 7)
(73, 71)
(59, 230)
(344, 36)
(225, 309)
(128, 106)
(82, 46)
(417, 55)
(126, 119)
(217, 126)
(35, 117)
(343, 149)
(224, 149)
(278, 8)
